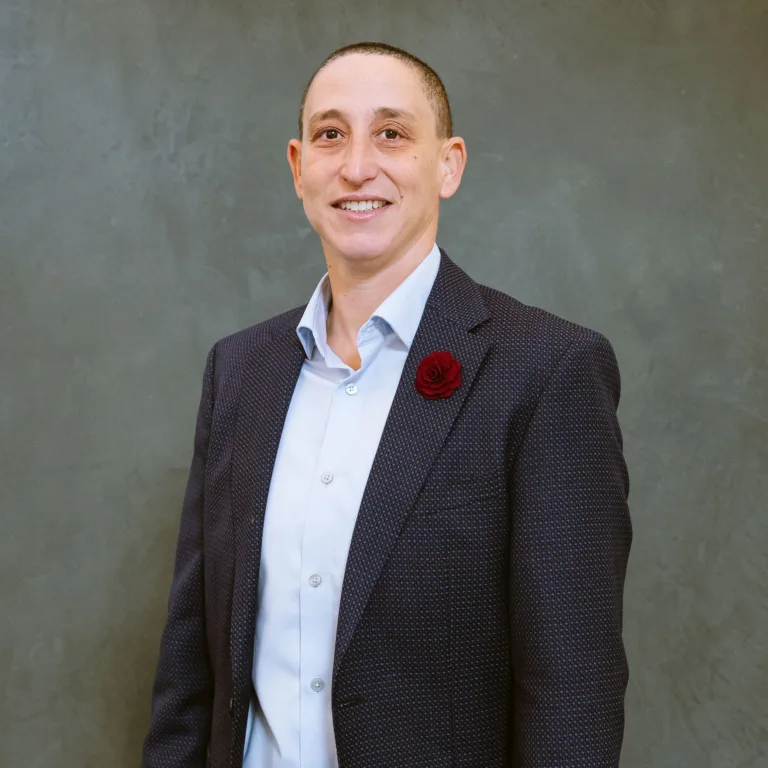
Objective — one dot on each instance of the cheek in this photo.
(423, 186)
(314, 178)
(426, 171)
(310, 182)
(416, 180)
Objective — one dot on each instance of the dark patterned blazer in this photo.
(481, 612)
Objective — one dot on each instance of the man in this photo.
(405, 532)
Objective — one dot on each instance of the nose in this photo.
(359, 161)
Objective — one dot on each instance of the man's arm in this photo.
(183, 691)
(571, 535)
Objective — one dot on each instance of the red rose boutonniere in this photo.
(438, 374)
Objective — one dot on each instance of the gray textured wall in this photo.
(618, 175)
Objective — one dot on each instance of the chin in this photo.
(370, 252)
(360, 246)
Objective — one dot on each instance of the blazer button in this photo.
(231, 706)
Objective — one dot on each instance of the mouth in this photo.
(363, 211)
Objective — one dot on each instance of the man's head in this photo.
(375, 123)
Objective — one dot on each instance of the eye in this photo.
(331, 134)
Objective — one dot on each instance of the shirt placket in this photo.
(328, 528)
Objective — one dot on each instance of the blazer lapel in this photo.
(269, 379)
(413, 434)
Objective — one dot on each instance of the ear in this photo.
(452, 164)
(294, 160)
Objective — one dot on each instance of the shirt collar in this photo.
(400, 311)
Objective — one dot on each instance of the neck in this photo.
(356, 292)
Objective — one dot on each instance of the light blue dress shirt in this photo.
(329, 440)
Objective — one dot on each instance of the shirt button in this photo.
(351, 389)
(326, 477)
(315, 580)
(317, 685)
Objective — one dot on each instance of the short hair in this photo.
(433, 85)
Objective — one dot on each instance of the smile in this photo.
(363, 210)
(361, 205)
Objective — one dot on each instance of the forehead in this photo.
(360, 84)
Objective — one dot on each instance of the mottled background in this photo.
(618, 176)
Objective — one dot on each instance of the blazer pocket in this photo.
(456, 493)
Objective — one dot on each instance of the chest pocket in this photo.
(457, 492)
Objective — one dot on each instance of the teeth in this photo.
(362, 205)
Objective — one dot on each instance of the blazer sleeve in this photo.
(182, 695)
(571, 536)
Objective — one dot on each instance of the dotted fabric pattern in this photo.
(481, 612)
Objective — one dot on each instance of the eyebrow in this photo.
(388, 112)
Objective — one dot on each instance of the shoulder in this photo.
(228, 353)
(535, 342)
